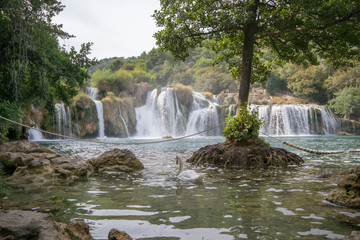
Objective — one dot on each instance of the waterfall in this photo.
(93, 93)
(297, 120)
(161, 115)
(35, 135)
(203, 115)
(63, 119)
(123, 120)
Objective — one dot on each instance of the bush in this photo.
(243, 128)
(347, 103)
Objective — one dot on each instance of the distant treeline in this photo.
(340, 89)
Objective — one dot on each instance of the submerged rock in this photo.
(32, 166)
(117, 160)
(16, 224)
(116, 234)
(347, 192)
(229, 155)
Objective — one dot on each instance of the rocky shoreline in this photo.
(30, 167)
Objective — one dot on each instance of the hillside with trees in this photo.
(321, 84)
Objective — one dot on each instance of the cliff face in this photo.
(119, 116)
(84, 116)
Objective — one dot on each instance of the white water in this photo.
(163, 115)
(93, 93)
(297, 120)
(63, 119)
(35, 135)
(124, 122)
(203, 115)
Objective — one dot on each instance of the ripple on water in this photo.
(321, 232)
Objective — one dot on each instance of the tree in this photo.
(297, 31)
(34, 69)
(347, 103)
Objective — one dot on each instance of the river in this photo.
(229, 204)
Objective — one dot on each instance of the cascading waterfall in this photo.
(162, 115)
(93, 93)
(124, 122)
(35, 135)
(297, 120)
(203, 115)
(63, 119)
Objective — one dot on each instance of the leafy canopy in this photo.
(297, 31)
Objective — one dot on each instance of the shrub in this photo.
(244, 127)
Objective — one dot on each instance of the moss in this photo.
(184, 94)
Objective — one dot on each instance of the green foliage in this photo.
(347, 103)
(238, 30)
(108, 81)
(212, 79)
(244, 127)
(34, 69)
(4, 189)
(7, 129)
(275, 83)
(309, 82)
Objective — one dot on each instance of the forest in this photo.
(339, 89)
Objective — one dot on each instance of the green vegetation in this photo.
(34, 68)
(244, 127)
(301, 32)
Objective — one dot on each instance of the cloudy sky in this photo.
(118, 28)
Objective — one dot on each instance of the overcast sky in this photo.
(118, 28)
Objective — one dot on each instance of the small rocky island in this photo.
(234, 156)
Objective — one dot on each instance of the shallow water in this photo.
(228, 204)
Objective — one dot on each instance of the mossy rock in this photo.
(232, 156)
(117, 160)
(348, 191)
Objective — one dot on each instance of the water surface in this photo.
(228, 204)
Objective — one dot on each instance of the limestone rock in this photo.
(16, 224)
(347, 192)
(229, 155)
(31, 166)
(117, 160)
(116, 234)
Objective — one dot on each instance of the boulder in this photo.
(229, 155)
(117, 160)
(347, 192)
(116, 234)
(16, 224)
(32, 166)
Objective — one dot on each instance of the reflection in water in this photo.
(228, 204)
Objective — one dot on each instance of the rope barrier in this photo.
(114, 143)
(178, 138)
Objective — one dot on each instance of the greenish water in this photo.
(228, 204)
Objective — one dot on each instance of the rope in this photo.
(115, 143)
(308, 149)
(178, 138)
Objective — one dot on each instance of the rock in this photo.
(16, 224)
(116, 234)
(347, 192)
(31, 166)
(80, 230)
(229, 155)
(117, 160)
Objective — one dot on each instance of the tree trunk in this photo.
(247, 55)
